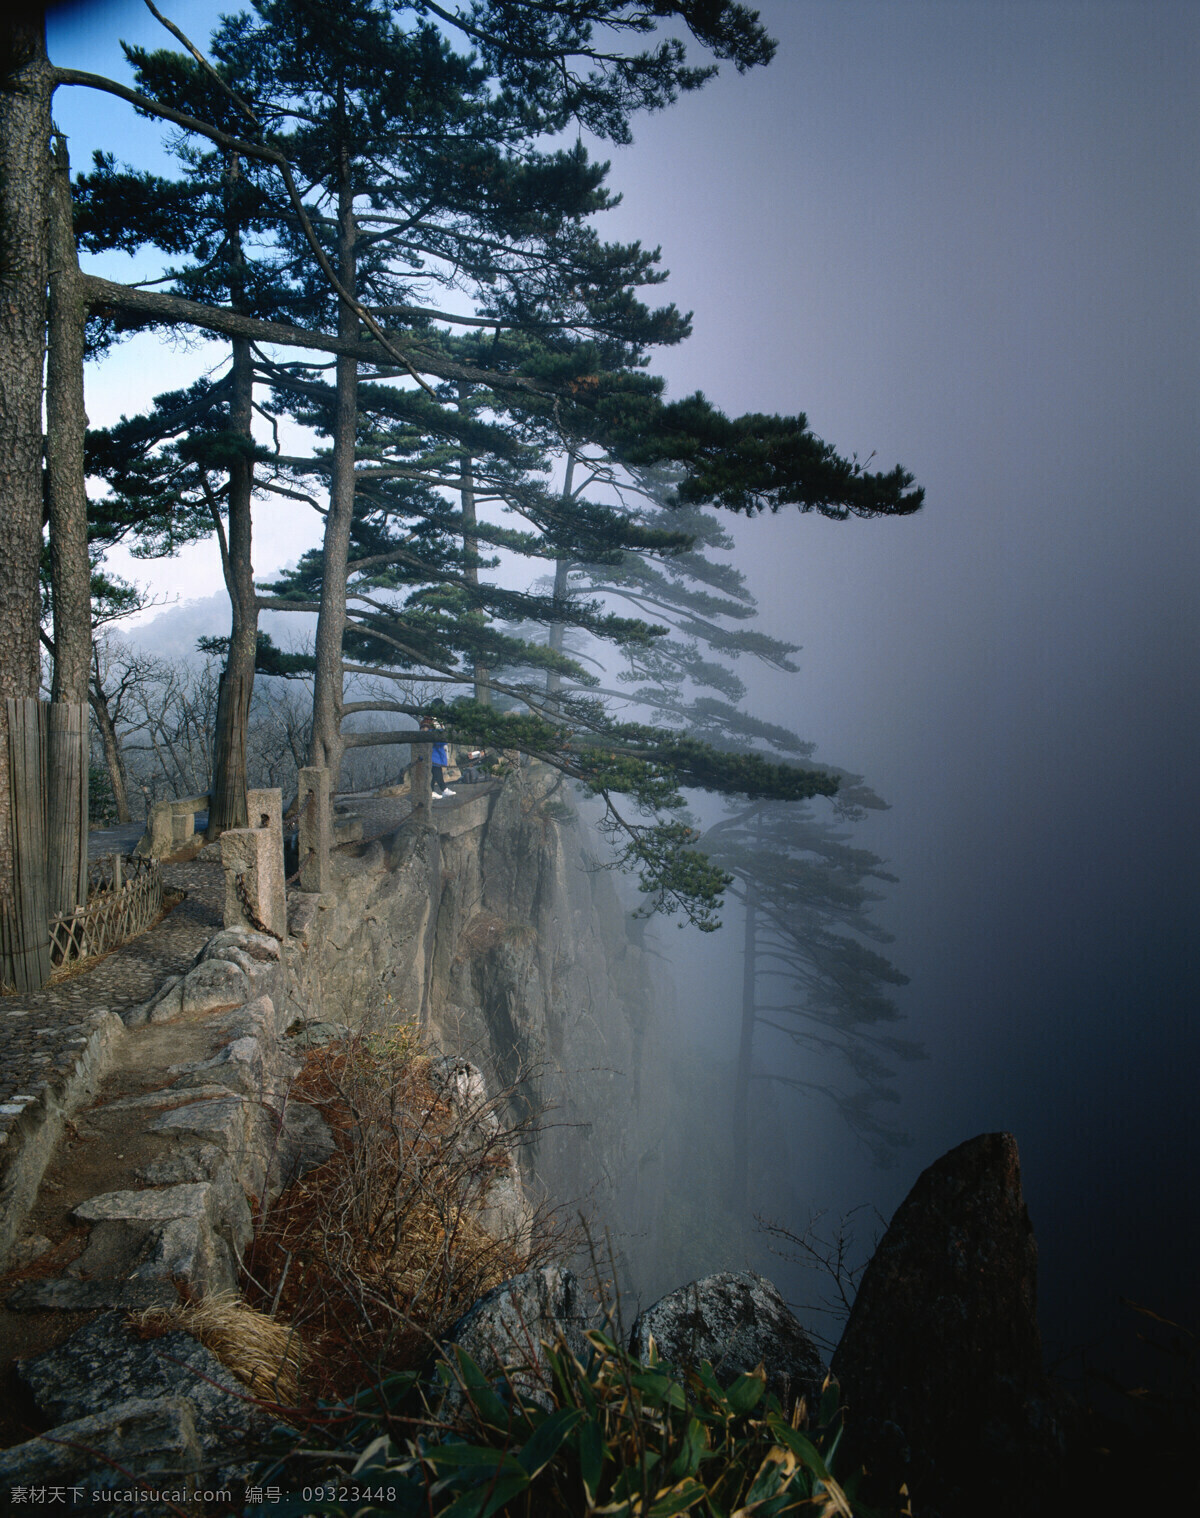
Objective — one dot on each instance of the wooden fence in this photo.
(125, 895)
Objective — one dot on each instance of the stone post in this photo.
(264, 809)
(316, 829)
(158, 831)
(254, 890)
(421, 775)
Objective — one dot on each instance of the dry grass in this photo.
(373, 1254)
(265, 1355)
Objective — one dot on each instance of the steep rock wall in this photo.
(509, 942)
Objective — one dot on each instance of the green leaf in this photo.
(691, 1451)
(659, 1388)
(678, 1499)
(802, 1447)
(474, 1456)
(769, 1478)
(603, 1343)
(747, 1391)
(830, 1398)
(482, 1501)
(490, 1407)
(591, 1458)
(548, 1439)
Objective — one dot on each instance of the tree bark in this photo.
(228, 808)
(24, 174)
(561, 570)
(483, 688)
(739, 1201)
(66, 425)
(70, 568)
(327, 746)
(113, 759)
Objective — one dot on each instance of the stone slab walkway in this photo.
(41, 1032)
(380, 814)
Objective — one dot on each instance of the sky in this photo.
(961, 235)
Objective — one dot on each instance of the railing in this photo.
(125, 895)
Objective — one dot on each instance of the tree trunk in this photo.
(561, 571)
(420, 781)
(483, 686)
(70, 569)
(66, 424)
(113, 759)
(24, 173)
(327, 746)
(739, 1201)
(228, 806)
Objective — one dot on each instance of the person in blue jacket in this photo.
(438, 761)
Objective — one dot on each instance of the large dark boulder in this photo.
(506, 1330)
(940, 1364)
(734, 1322)
(105, 1365)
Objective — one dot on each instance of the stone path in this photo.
(118, 839)
(41, 1032)
(380, 814)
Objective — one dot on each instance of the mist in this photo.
(964, 236)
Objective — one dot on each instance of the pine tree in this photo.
(806, 894)
(373, 112)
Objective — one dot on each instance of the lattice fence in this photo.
(125, 895)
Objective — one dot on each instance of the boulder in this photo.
(151, 1440)
(734, 1321)
(187, 1233)
(506, 1328)
(105, 1364)
(940, 1363)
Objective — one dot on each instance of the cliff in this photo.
(502, 934)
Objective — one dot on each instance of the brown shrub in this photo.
(373, 1254)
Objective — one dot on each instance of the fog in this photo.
(964, 236)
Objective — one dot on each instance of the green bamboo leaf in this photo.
(830, 1399)
(771, 1477)
(747, 1391)
(802, 1447)
(603, 1343)
(631, 1480)
(659, 1388)
(482, 1395)
(474, 1456)
(680, 1498)
(548, 1439)
(483, 1501)
(591, 1458)
(691, 1450)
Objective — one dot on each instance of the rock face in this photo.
(492, 930)
(105, 1366)
(505, 1329)
(940, 1363)
(734, 1322)
(498, 932)
(156, 1436)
